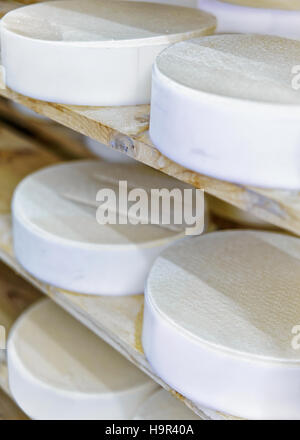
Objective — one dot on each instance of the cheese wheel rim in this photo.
(211, 82)
(76, 56)
(28, 386)
(215, 98)
(208, 28)
(216, 328)
(18, 212)
(216, 346)
(58, 240)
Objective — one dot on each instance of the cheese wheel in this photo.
(96, 52)
(221, 322)
(262, 17)
(58, 239)
(163, 406)
(60, 370)
(228, 106)
(105, 153)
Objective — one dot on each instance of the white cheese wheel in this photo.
(221, 322)
(163, 406)
(106, 153)
(229, 106)
(60, 370)
(58, 239)
(96, 52)
(262, 17)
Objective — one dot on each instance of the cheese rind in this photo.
(58, 239)
(228, 106)
(92, 52)
(267, 17)
(224, 308)
(60, 370)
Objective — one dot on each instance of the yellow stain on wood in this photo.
(138, 326)
(178, 395)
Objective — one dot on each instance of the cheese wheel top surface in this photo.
(59, 351)
(60, 201)
(247, 67)
(107, 21)
(234, 291)
(271, 4)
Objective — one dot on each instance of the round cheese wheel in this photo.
(105, 153)
(221, 322)
(228, 106)
(268, 17)
(59, 239)
(60, 370)
(163, 406)
(96, 52)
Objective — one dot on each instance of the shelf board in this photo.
(125, 129)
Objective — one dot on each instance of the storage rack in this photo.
(117, 320)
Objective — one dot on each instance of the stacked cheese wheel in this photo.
(60, 370)
(228, 106)
(92, 52)
(67, 235)
(220, 322)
